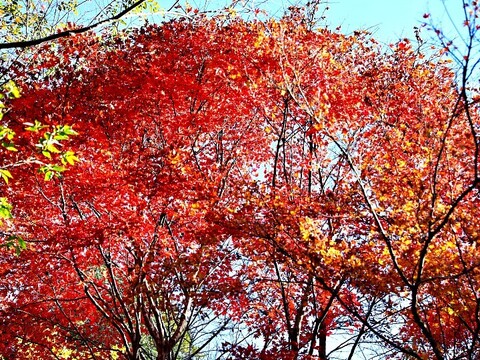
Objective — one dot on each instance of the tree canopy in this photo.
(244, 189)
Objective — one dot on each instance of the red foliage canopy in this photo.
(260, 177)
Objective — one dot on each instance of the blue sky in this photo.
(389, 20)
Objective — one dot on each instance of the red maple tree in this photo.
(261, 179)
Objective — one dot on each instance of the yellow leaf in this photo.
(259, 41)
(5, 175)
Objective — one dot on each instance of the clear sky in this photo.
(389, 20)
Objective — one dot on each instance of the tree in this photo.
(159, 253)
(25, 25)
(51, 159)
(296, 184)
(413, 167)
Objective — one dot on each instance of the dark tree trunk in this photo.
(322, 342)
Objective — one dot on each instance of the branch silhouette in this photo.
(33, 42)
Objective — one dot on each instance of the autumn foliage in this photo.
(246, 189)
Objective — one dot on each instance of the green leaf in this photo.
(51, 147)
(12, 90)
(9, 146)
(15, 242)
(21, 243)
(47, 154)
(6, 132)
(60, 137)
(65, 130)
(5, 175)
(35, 127)
(49, 175)
(69, 158)
(5, 208)
(58, 168)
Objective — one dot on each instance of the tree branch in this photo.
(66, 33)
